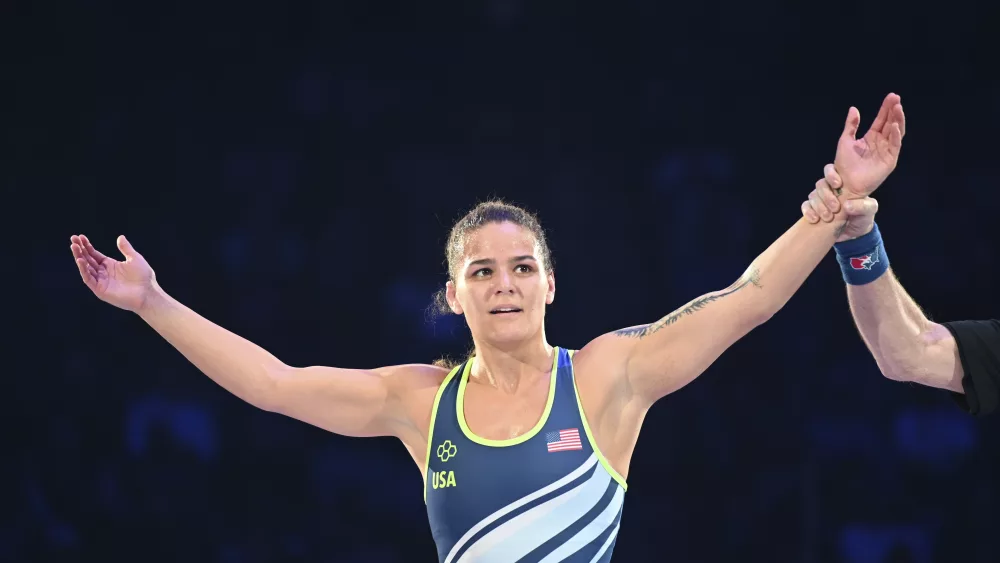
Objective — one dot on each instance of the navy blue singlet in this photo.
(547, 495)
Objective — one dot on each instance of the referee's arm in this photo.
(962, 357)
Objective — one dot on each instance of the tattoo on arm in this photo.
(752, 276)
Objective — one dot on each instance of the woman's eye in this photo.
(482, 272)
(523, 268)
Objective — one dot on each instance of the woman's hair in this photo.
(487, 212)
(449, 363)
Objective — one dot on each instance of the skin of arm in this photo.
(905, 344)
(350, 402)
(653, 360)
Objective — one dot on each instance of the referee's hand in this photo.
(823, 203)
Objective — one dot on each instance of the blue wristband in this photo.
(862, 260)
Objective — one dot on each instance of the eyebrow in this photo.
(490, 261)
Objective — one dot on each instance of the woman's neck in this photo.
(505, 368)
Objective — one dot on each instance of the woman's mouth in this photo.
(505, 310)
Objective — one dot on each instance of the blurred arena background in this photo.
(291, 171)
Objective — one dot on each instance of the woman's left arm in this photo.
(660, 358)
(657, 359)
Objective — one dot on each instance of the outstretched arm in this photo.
(666, 355)
(662, 357)
(351, 402)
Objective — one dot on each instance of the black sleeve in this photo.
(979, 351)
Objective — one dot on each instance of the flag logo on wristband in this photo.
(864, 262)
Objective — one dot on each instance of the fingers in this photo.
(93, 255)
(829, 198)
(90, 254)
(808, 213)
(815, 208)
(899, 117)
(895, 139)
(851, 125)
(76, 250)
(861, 207)
(80, 253)
(823, 202)
(888, 103)
(816, 202)
(832, 178)
(87, 272)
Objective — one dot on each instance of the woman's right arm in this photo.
(387, 401)
(351, 402)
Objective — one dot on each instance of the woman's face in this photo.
(501, 286)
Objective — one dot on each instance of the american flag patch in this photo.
(563, 440)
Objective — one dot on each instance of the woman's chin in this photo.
(507, 332)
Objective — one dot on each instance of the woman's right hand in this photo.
(126, 284)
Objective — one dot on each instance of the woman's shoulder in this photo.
(414, 377)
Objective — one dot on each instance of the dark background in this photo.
(291, 172)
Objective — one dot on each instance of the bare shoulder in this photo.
(610, 352)
(600, 366)
(413, 376)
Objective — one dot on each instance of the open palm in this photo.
(866, 162)
(122, 284)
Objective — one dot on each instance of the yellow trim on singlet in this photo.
(430, 429)
(460, 406)
(590, 435)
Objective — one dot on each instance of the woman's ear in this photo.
(452, 297)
